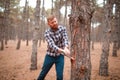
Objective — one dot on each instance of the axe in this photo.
(70, 57)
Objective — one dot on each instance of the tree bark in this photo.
(115, 46)
(2, 45)
(80, 20)
(65, 16)
(35, 36)
(18, 44)
(2, 34)
(103, 68)
(7, 20)
(42, 23)
(20, 33)
(26, 23)
(52, 8)
(116, 30)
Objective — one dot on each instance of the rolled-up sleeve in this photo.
(50, 42)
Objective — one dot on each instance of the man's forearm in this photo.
(60, 50)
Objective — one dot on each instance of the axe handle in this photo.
(67, 56)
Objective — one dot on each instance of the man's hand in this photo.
(66, 51)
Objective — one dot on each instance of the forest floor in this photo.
(15, 64)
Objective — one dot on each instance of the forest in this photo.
(93, 29)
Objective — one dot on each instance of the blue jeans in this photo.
(48, 62)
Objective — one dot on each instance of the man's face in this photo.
(53, 23)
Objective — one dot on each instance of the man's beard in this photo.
(55, 27)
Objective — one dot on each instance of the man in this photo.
(57, 39)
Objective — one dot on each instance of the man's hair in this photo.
(51, 17)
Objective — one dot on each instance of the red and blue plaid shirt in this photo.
(56, 39)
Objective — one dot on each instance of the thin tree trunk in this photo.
(27, 23)
(65, 16)
(115, 46)
(6, 41)
(58, 6)
(35, 36)
(19, 37)
(92, 37)
(2, 33)
(42, 24)
(27, 34)
(6, 20)
(2, 45)
(59, 14)
(116, 29)
(103, 68)
(118, 24)
(18, 44)
(27, 42)
(52, 8)
(92, 45)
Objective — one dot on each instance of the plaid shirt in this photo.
(56, 39)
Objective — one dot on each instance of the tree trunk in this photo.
(115, 46)
(58, 5)
(80, 21)
(18, 44)
(65, 16)
(27, 22)
(2, 45)
(52, 8)
(27, 31)
(2, 33)
(116, 29)
(27, 42)
(118, 24)
(92, 37)
(42, 23)
(103, 68)
(19, 36)
(6, 41)
(7, 20)
(92, 45)
(35, 36)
